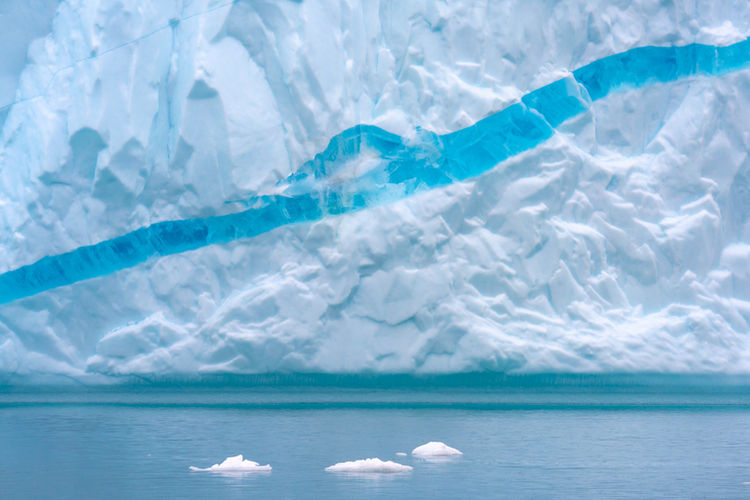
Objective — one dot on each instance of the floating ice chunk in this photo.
(369, 465)
(435, 449)
(235, 464)
(400, 454)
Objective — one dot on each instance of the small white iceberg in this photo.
(374, 465)
(235, 464)
(435, 449)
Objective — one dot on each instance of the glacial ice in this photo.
(369, 465)
(433, 161)
(435, 449)
(234, 464)
(15, 38)
(178, 197)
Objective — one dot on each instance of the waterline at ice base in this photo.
(237, 191)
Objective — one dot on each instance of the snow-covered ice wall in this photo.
(466, 193)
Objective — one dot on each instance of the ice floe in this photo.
(435, 449)
(235, 464)
(369, 465)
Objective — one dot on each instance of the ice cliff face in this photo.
(615, 239)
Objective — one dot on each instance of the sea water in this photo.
(518, 442)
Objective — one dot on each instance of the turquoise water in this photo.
(549, 442)
(407, 167)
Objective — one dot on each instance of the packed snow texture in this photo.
(234, 464)
(20, 24)
(621, 243)
(435, 449)
(402, 167)
(369, 465)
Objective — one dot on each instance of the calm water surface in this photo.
(136, 443)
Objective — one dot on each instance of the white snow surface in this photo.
(234, 464)
(369, 465)
(618, 245)
(435, 449)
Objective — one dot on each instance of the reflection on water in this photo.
(438, 459)
(562, 444)
(370, 476)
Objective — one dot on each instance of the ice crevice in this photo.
(366, 166)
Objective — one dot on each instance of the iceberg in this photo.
(369, 465)
(435, 449)
(406, 168)
(246, 188)
(234, 464)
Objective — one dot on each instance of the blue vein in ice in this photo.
(365, 166)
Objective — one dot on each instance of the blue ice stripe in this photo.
(408, 166)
